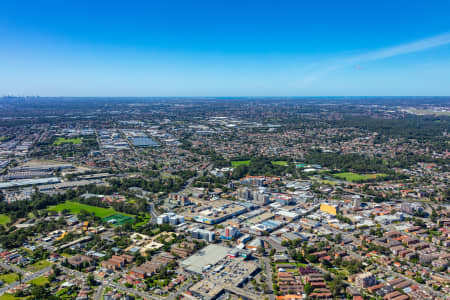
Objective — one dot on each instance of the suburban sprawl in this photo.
(238, 198)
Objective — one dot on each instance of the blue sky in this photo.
(224, 48)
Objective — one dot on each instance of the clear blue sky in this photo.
(224, 48)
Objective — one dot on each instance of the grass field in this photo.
(4, 219)
(9, 278)
(38, 266)
(237, 163)
(144, 221)
(61, 140)
(66, 294)
(39, 280)
(9, 297)
(280, 163)
(349, 176)
(76, 207)
(329, 182)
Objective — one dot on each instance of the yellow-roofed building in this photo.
(329, 208)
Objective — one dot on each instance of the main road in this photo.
(25, 279)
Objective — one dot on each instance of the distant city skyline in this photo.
(232, 48)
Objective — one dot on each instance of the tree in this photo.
(91, 280)
(41, 292)
(336, 285)
(308, 289)
(338, 238)
(261, 250)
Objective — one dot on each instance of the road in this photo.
(191, 180)
(242, 292)
(99, 292)
(132, 291)
(12, 268)
(153, 213)
(180, 291)
(109, 282)
(274, 244)
(25, 279)
(268, 273)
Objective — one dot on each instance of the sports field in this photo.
(61, 140)
(119, 219)
(349, 176)
(237, 163)
(76, 207)
(280, 163)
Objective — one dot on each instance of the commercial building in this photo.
(329, 208)
(179, 199)
(365, 280)
(284, 199)
(205, 259)
(170, 218)
(411, 207)
(258, 180)
(202, 234)
(284, 215)
(230, 232)
(256, 196)
(221, 211)
(3, 164)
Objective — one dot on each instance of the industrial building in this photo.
(26, 182)
(143, 142)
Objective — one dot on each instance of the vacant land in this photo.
(38, 265)
(76, 207)
(4, 219)
(61, 140)
(349, 176)
(237, 163)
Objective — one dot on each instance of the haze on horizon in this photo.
(212, 48)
